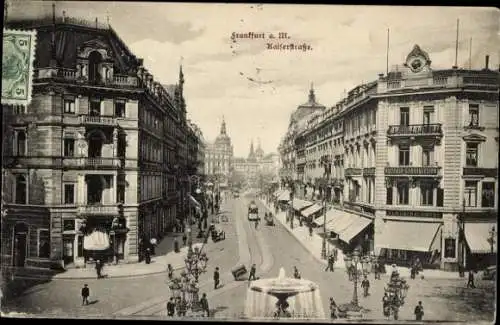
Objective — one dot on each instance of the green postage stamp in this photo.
(17, 66)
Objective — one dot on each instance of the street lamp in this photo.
(397, 289)
(351, 263)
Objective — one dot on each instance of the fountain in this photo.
(284, 297)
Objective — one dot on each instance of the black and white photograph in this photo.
(173, 161)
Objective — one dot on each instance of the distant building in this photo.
(219, 157)
(257, 163)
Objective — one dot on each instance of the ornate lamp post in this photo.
(397, 289)
(351, 263)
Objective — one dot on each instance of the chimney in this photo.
(486, 63)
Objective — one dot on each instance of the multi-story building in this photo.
(420, 157)
(88, 168)
(199, 150)
(289, 169)
(219, 157)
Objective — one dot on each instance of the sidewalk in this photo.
(313, 245)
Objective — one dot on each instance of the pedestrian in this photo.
(395, 272)
(182, 307)
(85, 294)
(216, 278)
(385, 304)
(413, 271)
(257, 223)
(365, 284)
(171, 307)
(170, 270)
(184, 239)
(147, 255)
(310, 230)
(329, 267)
(470, 283)
(296, 273)
(253, 269)
(153, 243)
(204, 305)
(333, 309)
(176, 245)
(419, 311)
(98, 268)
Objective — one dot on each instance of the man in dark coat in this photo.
(98, 268)
(216, 278)
(204, 304)
(419, 311)
(470, 283)
(329, 267)
(171, 307)
(85, 294)
(253, 269)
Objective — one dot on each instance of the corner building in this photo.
(420, 176)
(94, 152)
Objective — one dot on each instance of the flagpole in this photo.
(456, 46)
(470, 54)
(387, 54)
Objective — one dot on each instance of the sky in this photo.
(255, 88)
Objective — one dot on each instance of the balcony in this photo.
(412, 171)
(369, 171)
(71, 75)
(415, 130)
(92, 162)
(353, 172)
(477, 171)
(98, 120)
(98, 209)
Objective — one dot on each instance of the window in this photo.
(404, 155)
(120, 109)
(69, 106)
(69, 225)
(43, 243)
(69, 193)
(439, 197)
(426, 194)
(488, 195)
(389, 196)
(21, 190)
(404, 116)
(449, 247)
(471, 154)
(403, 192)
(470, 193)
(69, 147)
(95, 107)
(473, 115)
(428, 110)
(21, 143)
(427, 156)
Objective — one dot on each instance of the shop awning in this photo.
(284, 196)
(96, 241)
(194, 202)
(406, 235)
(299, 204)
(358, 225)
(477, 234)
(312, 209)
(341, 221)
(330, 216)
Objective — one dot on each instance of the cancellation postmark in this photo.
(17, 66)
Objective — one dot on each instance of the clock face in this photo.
(416, 64)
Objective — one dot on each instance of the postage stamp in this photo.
(17, 66)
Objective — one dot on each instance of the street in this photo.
(270, 248)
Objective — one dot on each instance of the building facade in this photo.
(219, 157)
(419, 152)
(93, 156)
(258, 168)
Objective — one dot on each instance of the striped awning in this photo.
(341, 221)
(358, 224)
(311, 210)
(330, 216)
(478, 236)
(407, 235)
(96, 241)
(299, 204)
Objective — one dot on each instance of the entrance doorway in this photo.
(68, 244)
(20, 241)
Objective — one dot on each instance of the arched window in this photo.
(21, 189)
(95, 59)
(21, 143)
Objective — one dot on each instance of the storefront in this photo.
(352, 230)
(481, 248)
(312, 212)
(402, 242)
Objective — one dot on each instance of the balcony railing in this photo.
(415, 130)
(72, 75)
(477, 171)
(353, 172)
(97, 120)
(98, 209)
(412, 171)
(369, 171)
(98, 162)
